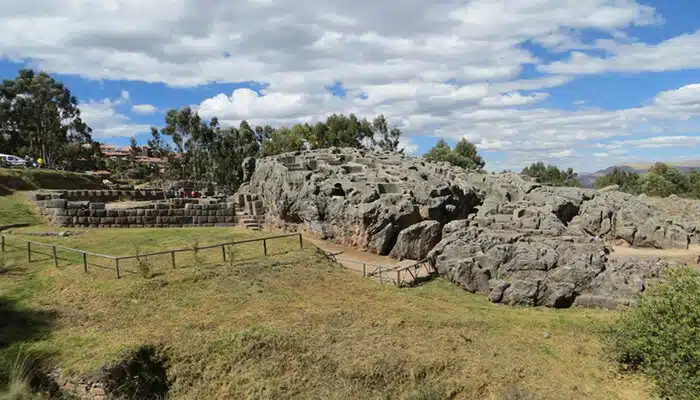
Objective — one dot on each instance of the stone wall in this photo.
(61, 210)
(99, 195)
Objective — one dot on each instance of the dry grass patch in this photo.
(294, 326)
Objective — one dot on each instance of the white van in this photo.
(12, 161)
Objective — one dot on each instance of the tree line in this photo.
(204, 150)
(661, 180)
(39, 117)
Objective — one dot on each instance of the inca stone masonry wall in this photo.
(93, 211)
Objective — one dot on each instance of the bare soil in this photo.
(688, 256)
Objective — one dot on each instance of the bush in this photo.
(661, 335)
(144, 266)
(140, 374)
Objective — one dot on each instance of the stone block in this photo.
(108, 220)
(112, 213)
(131, 220)
(56, 203)
(59, 212)
(140, 212)
(94, 221)
(121, 220)
(100, 213)
(96, 206)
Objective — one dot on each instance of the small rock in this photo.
(97, 391)
(547, 335)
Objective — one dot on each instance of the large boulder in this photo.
(417, 240)
(514, 268)
(361, 198)
(617, 215)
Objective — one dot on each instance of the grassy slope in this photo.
(31, 179)
(293, 325)
(16, 209)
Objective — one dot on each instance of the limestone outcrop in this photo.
(502, 235)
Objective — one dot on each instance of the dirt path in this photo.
(688, 256)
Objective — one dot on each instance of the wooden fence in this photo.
(117, 259)
(398, 276)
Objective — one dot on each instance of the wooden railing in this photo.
(396, 275)
(117, 259)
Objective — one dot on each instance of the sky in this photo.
(576, 83)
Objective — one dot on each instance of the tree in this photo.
(627, 181)
(284, 140)
(551, 175)
(463, 155)
(159, 147)
(389, 136)
(467, 156)
(40, 117)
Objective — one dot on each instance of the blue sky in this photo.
(581, 83)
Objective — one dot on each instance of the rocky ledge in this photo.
(498, 234)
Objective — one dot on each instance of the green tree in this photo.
(463, 155)
(159, 147)
(40, 117)
(552, 175)
(628, 181)
(284, 140)
(389, 137)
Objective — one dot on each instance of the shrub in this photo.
(143, 265)
(198, 260)
(140, 374)
(231, 256)
(661, 335)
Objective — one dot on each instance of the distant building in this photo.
(144, 154)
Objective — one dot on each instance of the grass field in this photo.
(16, 209)
(30, 179)
(293, 325)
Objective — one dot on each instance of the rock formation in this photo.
(503, 235)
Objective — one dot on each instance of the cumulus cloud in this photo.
(144, 109)
(454, 71)
(106, 121)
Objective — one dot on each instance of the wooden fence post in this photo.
(398, 278)
(223, 251)
(29, 251)
(85, 262)
(364, 270)
(3, 243)
(172, 258)
(55, 259)
(116, 264)
(301, 244)
(265, 246)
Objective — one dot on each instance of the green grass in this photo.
(12, 179)
(16, 209)
(291, 325)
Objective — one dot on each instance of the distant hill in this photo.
(588, 179)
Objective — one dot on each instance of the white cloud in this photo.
(673, 54)
(407, 145)
(104, 119)
(299, 48)
(144, 109)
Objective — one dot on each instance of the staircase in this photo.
(245, 219)
(251, 223)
